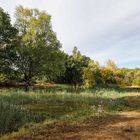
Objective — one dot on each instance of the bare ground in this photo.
(124, 126)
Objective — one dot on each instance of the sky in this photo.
(101, 29)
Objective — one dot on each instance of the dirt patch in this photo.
(124, 126)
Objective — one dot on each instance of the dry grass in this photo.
(123, 125)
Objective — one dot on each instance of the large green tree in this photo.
(7, 42)
(37, 53)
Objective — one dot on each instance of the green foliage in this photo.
(3, 79)
(31, 52)
(7, 32)
(90, 74)
(119, 77)
(7, 41)
(107, 76)
(37, 51)
(129, 78)
(108, 73)
(136, 80)
(74, 67)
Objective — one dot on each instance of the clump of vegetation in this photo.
(11, 117)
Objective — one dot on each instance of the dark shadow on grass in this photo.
(68, 88)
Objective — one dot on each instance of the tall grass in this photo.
(18, 108)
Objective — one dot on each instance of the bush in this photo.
(11, 117)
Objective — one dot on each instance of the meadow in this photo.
(19, 109)
(47, 93)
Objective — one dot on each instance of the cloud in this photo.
(100, 29)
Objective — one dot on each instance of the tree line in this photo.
(30, 51)
(83, 71)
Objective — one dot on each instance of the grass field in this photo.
(26, 115)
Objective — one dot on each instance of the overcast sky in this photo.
(101, 29)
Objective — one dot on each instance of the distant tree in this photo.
(136, 80)
(111, 65)
(108, 73)
(107, 76)
(37, 53)
(119, 77)
(90, 74)
(128, 78)
(74, 68)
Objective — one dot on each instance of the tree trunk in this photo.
(27, 82)
(27, 86)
